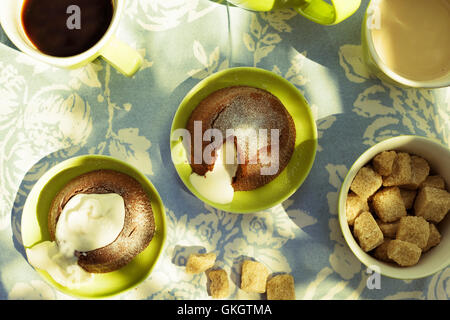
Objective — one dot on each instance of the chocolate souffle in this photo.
(241, 108)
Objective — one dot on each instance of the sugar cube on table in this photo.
(281, 287)
(254, 276)
(200, 262)
(219, 287)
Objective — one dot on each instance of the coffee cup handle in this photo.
(121, 56)
(324, 13)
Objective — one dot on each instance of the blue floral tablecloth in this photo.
(48, 115)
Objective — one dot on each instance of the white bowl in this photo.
(377, 66)
(437, 258)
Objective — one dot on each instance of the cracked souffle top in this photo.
(262, 130)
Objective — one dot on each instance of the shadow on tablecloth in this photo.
(29, 180)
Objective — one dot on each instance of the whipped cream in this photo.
(216, 185)
(87, 222)
(90, 221)
(63, 269)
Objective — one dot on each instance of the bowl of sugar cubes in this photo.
(393, 207)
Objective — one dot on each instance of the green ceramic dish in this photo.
(34, 225)
(302, 159)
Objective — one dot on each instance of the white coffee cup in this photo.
(375, 63)
(121, 56)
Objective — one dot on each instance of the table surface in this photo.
(48, 115)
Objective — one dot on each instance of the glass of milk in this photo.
(406, 42)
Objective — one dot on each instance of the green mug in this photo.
(318, 11)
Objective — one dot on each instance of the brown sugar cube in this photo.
(408, 197)
(354, 206)
(383, 162)
(434, 239)
(401, 171)
(433, 204)
(219, 287)
(200, 262)
(405, 254)
(254, 276)
(367, 232)
(419, 172)
(413, 230)
(366, 182)
(380, 252)
(281, 287)
(389, 229)
(434, 181)
(388, 204)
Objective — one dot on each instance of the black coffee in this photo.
(65, 28)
